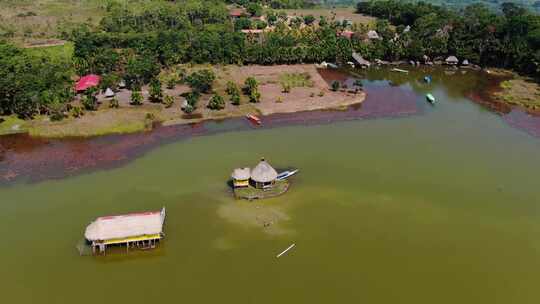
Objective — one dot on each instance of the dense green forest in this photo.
(135, 43)
(510, 39)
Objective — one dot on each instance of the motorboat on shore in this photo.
(286, 174)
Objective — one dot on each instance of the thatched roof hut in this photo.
(452, 60)
(109, 93)
(124, 226)
(373, 35)
(241, 174)
(263, 172)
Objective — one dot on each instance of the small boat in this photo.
(254, 119)
(427, 79)
(430, 98)
(286, 174)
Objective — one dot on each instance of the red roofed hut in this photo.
(346, 34)
(86, 82)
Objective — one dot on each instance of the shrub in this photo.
(335, 85)
(250, 85)
(77, 112)
(321, 93)
(192, 98)
(235, 99)
(114, 104)
(279, 99)
(156, 93)
(56, 110)
(89, 99)
(168, 101)
(255, 96)
(136, 98)
(201, 81)
(216, 102)
(285, 88)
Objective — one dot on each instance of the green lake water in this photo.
(439, 207)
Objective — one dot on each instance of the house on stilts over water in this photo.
(141, 230)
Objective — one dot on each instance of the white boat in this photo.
(286, 174)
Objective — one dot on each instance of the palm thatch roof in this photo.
(241, 174)
(126, 225)
(263, 172)
(452, 59)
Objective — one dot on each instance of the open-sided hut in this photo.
(241, 177)
(139, 229)
(263, 175)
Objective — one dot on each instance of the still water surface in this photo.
(441, 206)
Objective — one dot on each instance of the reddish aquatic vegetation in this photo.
(522, 120)
(34, 159)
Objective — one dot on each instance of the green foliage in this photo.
(251, 89)
(335, 85)
(140, 70)
(136, 98)
(77, 111)
(109, 81)
(57, 110)
(250, 85)
(192, 98)
(482, 36)
(254, 9)
(89, 99)
(309, 19)
(28, 83)
(201, 81)
(168, 101)
(234, 93)
(216, 102)
(155, 92)
(113, 103)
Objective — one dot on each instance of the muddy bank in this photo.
(23, 158)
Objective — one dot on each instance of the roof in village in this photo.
(263, 172)
(255, 31)
(126, 225)
(373, 35)
(347, 34)
(236, 12)
(241, 173)
(452, 59)
(87, 81)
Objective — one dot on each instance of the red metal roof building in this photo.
(86, 82)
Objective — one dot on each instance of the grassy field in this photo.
(37, 22)
(339, 13)
(520, 91)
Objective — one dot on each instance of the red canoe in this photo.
(254, 119)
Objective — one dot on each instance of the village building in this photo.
(346, 34)
(241, 177)
(452, 60)
(142, 230)
(87, 82)
(235, 13)
(373, 35)
(263, 176)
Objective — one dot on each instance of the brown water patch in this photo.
(33, 159)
